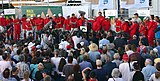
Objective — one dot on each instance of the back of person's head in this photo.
(21, 58)
(61, 64)
(108, 58)
(116, 56)
(6, 73)
(115, 73)
(34, 61)
(133, 48)
(38, 53)
(76, 68)
(47, 78)
(92, 74)
(26, 74)
(136, 66)
(5, 56)
(1, 51)
(152, 17)
(157, 74)
(148, 62)
(99, 63)
(18, 51)
(70, 59)
(85, 58)
(70, 78)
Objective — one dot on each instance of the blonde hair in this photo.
(26, 75)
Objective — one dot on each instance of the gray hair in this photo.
(115, 73)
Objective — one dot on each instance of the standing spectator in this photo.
(133, 41)
(136, 75)
(56, 59)
(93, 53)
(76, 39)
(116, 59)
(6, 75)
(118, 42)
(103, 41)
(22, 66)
(115, 75)
(33, 68)
(68, 68)
(26, 76)
(124, 68)
(156, 76)
(77, 74)
(38, 74)
(67, 24)
(5, 63)
(148, 70)
(84, 64)
(158, 47)
(46, 76)
(109, 66)
(133, 29)
(128, 50)
(14, 73)
(101, 73)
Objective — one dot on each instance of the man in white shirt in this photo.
(5, 63)
(56, 59)
(76, 40)
(124, 68)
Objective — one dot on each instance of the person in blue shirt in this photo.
(148, 70)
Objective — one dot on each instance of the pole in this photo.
(2, 6)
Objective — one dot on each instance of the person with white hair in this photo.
(115, 75)
(148, 70)
(60, 21)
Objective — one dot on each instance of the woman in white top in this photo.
(115, 74)
(156, 76)
(26, 76)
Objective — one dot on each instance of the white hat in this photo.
(155, 50)
(2, 14)
(47, 15)
(38, 15)
(27, 19)
(82, 43)
(38, 46)
(54, 14)
(31, 44)
(59, 14)
(15, 45)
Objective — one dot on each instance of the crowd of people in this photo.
(56, 49)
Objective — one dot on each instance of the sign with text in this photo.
(143, 12)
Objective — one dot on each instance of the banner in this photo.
(143, 12)
(134, 3)
(105, 4)
(9, 11)
(35, 10)
(68, 10)
(111, 13)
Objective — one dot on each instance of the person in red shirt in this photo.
(23, 21)
(133, 29)
(28, 27)
(46, 20)
(151, 27)
(17, 29)
(96, 26)
(2, 21)
(143, 29)
(118, 24)
(67, 24)
(39, 23)
(125, 26)
(73, 21)
(9, 26)
(106, 24)
(60, 21)
(100, 18)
